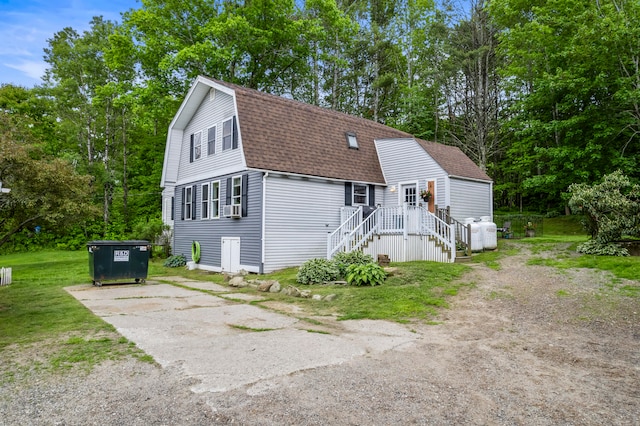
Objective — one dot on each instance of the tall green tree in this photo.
(572, 73)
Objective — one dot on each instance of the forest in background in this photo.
(541, 94)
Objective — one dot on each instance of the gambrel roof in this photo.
(283, 135)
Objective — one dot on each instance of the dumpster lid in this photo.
(118, 243)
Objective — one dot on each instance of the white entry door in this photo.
(409, 194)
(230, 254)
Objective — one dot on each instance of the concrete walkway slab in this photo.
(228, 344)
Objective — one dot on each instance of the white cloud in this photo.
(33, 69)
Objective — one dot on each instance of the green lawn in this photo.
(38, 315)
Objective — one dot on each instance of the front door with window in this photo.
(409, 194)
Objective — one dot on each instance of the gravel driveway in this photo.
(527, 345)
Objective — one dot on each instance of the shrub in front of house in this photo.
(317, 271)
(367, 274)
(175, 261)
(343, 260)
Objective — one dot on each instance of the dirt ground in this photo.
(528, 345)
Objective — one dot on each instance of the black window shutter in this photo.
(245, 194)
(235, 133)
(193, 202)
(372, 195)
(191, 150)
(347, 194)
(173, 206)
(184, 194)
(229, 189)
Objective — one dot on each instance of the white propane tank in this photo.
(489, 233)
(476, 234)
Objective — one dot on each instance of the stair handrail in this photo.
(462, 230)
(337, 240)
(439, 229)
(363, 231)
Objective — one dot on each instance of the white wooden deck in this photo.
(404, 233)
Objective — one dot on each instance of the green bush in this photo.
(317, 271)
(343, 260)
(602, 249)
(175, 261)
(369, 274)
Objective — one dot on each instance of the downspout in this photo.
(264, 218)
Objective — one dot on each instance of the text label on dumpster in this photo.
(121, 255)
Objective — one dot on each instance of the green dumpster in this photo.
(118, 260)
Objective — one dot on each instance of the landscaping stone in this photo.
(265, 285)
(275, 287)
(330, 297)
(305, 294)
(291, 291)
(237, 282)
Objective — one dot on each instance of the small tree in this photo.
(611, 208)
(44, 191)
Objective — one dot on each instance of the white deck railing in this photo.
(406, 220)
(337, 240)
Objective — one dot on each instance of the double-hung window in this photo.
(236, 192)
(196, 146)
(204, 211)
(229, 134)
(188, 203)
(215, 199)
(211, 140)
(360, 194)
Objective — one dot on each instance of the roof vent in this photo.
(212, 94)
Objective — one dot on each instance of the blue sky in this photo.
(26, 25)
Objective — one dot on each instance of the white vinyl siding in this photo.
(403, 160)
(296, 228)
(209, 116)
(470, 199)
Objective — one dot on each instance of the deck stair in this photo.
(409, 232)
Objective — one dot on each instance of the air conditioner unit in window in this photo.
(233, 210)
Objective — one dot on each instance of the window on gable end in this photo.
(229, 134)
(197, 145)
(211, 140)
(352, 140)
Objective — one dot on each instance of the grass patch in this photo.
(621, 267)
(564, 225)
(35, 308)
(416, 291)
(245, 328)
(317, 331)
